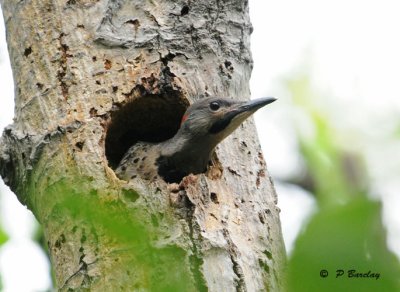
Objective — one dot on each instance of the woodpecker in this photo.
(205, 124)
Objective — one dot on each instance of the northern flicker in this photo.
(205, 124)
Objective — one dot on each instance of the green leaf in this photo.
(347, 238)
(163, 268)
(3, 237)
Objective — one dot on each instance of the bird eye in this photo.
(214, 106)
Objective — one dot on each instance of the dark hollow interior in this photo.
(151, 118)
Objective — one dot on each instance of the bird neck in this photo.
(189, 152)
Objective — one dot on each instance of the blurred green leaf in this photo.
(396, 131)
(344, 238)
(159, 268)
(39, 238)
(335, 173)
(3, 237)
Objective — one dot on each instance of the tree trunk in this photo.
(92, 78)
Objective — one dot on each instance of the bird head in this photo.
(219, 117)
(205, 124)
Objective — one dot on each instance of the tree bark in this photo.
(92, 78)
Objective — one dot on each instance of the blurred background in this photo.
(331, 143)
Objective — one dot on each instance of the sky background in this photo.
(350, 51)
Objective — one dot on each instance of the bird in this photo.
(203, 126)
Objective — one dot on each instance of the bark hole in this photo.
(214, 198)
(27, 51)
(151, 118)
(184, 10)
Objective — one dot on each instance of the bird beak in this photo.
(252, 105)
(238, 113)
(242, 111)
